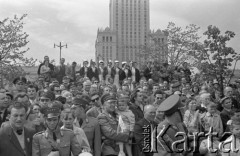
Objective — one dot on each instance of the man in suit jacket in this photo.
(16, 140)
(93, 71)
(84, 71)
(71, 71)
(3, 107)
(148, 71)
(135, 72)
(140, 128)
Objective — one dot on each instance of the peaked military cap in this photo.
(108, 96)
(20, 79)
(52, 110)
(170, 105)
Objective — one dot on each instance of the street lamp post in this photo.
(60, 46)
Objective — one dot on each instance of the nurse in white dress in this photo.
(116, 76)
(109, 71)
(100, 71)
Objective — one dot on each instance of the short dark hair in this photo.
(33, 86)
(66, 112)
(159, 92)
(134, 95)
(21, 95)
(18, 105)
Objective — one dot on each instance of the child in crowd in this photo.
(233, 142)
(191, 117)
(212, 119)
(126, 122)
(210, 146)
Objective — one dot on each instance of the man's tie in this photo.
(80, 122)
(19, 131)
(54, 136)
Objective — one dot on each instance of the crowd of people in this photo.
(104, 111)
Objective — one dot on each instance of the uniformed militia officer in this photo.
(20, 85)
(54, 141)
(108, 124)
(172, 124)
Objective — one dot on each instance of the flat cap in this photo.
(101, 61)
(108, 96)
(170, 105)
(19, 79)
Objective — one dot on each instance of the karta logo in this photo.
(186, 143)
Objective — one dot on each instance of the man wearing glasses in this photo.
(46, 98)
(97, 106)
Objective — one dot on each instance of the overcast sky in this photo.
(75, 22)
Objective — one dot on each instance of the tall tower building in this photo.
(130, 20)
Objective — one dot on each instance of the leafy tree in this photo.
(217, 57)
(177, 49)
(13, 43)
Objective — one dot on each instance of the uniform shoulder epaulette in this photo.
(39, 133)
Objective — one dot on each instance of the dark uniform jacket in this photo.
(165, 147)
(139, 137)
(108, 125)
(9, 144)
